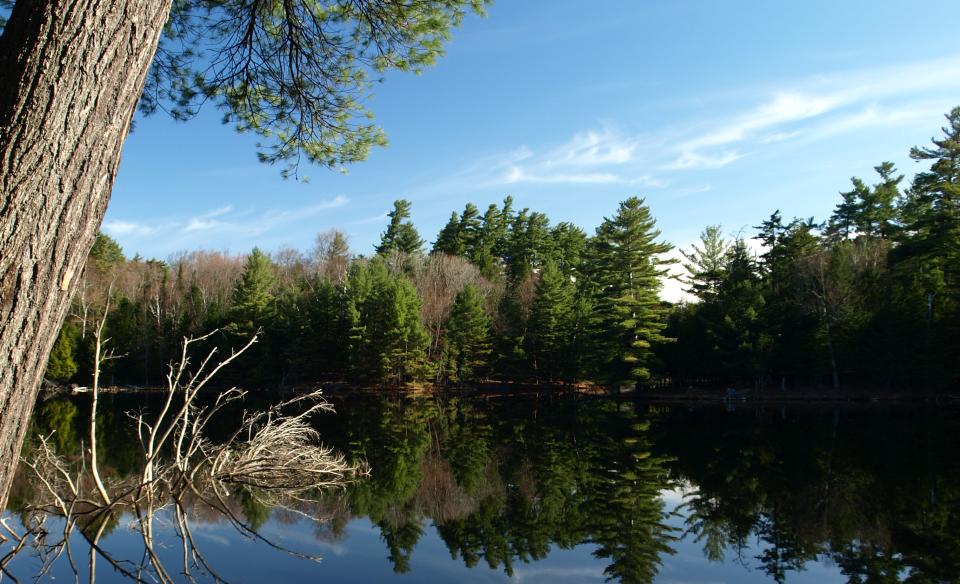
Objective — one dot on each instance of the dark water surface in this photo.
(572, 489)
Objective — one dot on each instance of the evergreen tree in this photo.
(847, 216)
(449, 240)
(106, 252)
(551, 329)
(879, 207)
(927, 259)
(468, 335)
(737, 334)
(388, 340)
(471, 231)
(706, 264)
(628, 315)
(491, 231)
(527, 244)
(62, 365)
(253, 295)
(864, 210)
(566, 246)
(401, 235)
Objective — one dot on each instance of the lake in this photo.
(548, 489)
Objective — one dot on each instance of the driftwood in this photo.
(274, 456)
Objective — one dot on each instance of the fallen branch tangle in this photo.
(274, 456)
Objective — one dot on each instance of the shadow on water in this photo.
(610, 489)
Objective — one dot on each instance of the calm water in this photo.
(518, 489)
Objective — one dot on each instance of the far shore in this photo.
(493, 389)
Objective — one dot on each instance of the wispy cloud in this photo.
(117, 228)
(590, 157)
(698, 161)
(809, 109)
(816, 108)
(217, 225)
(373, 219)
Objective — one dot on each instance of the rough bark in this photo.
(71, 72)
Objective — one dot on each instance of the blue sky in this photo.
(716, 112)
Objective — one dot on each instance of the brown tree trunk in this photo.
(71, 72)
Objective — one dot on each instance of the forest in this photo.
(867, 297)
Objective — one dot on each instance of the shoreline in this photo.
(703, 395)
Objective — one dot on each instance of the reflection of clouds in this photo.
(545, 574)
(679, 493)
(303, 533)
(210, 536)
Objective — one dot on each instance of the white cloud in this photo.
(590, 157)
(697, 161)
(127, 228)
(374, 219)
(816, 108)
(517, 175)
(593, 148)
(220, 222)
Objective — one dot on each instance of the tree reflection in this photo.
(505, 481)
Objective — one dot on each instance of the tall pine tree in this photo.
(400, 236)
(628, 317)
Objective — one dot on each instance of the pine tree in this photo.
(737, 333)
(468, 335)
(864, 210)
(879, 207)
(388, 340)
(927, 259)
(63, 364)
(565, 247)
(400, 236)
(471, 231)
(491, 231)
(527, 244)
(253, 295)
(106, 252)
(846, 218)
(706, 264)
(550, 331)
(938, 231)
(449, 240)
(628, 316)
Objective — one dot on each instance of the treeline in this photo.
(867, 297)
(502, 296)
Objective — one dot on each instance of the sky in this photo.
(714, 112)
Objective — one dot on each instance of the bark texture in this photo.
(71, 72)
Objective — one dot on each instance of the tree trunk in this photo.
(71, 72)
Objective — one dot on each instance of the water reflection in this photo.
(575, 486)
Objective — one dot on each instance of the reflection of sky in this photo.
(361, 556)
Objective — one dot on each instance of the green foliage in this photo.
(62, 365)
(388, 339)
(253, 295)
(527, 244)
(706, 263)
(401, 236)
(551, 330)
(628, 317)
(59, 417)
(449, 241)
(106, 252)
(300, 78)
(871, 296)
(468, 336)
